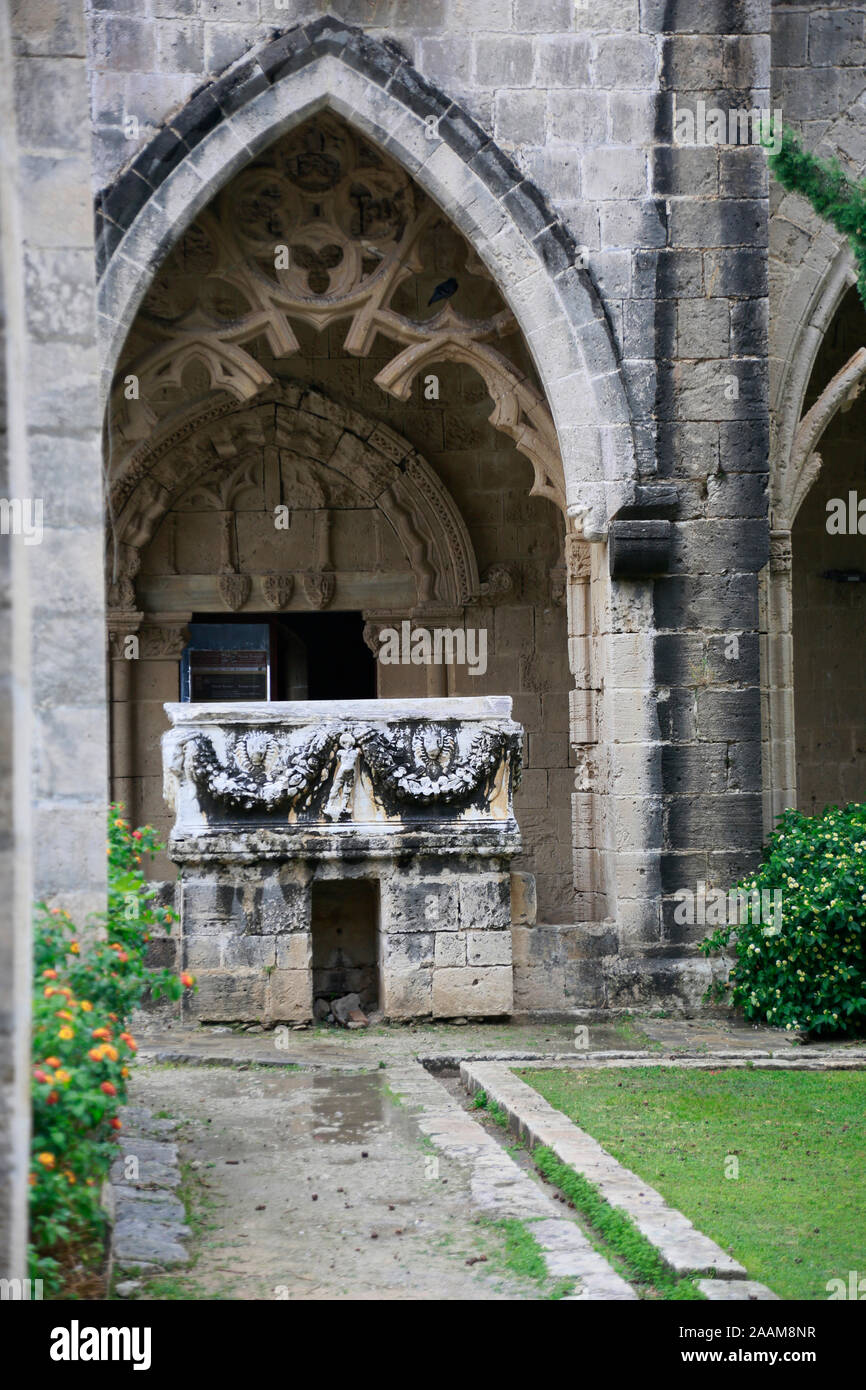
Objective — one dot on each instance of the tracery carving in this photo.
(321, 227)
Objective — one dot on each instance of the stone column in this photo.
(124, 645)
(778, 734)
(156, 680)
(58, 777)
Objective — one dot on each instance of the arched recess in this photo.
(292, 446)
(795, 466)
(529, 253)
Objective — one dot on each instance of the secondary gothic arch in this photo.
(341, 445)
(528, 251)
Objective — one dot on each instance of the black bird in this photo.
(443, 291)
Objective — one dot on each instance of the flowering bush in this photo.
(84, 993)
(807, 971)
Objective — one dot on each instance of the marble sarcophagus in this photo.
(293, 820)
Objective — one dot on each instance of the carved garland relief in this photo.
(418, 763)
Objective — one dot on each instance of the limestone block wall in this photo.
(52, 606)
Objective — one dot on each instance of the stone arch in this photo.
(528, 251)
(811, 289)
(375, 461)
(795, 464)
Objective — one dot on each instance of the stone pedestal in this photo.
(415, 795)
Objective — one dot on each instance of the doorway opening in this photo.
(345, 915)
(297, 656)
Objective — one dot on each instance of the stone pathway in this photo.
(148, 1219)
(330, 1165)
(313, 1186)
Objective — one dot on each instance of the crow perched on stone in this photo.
(443, 291)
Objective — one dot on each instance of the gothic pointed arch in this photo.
(528, 252)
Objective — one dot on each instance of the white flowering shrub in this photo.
(806, 970)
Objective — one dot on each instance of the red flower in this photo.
(108, 1088)
(115, 1123)
(187, 980)
(40, 1075)
(52, 1098)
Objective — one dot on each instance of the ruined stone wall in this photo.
(52, 632)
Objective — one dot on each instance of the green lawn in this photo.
(796, 1214)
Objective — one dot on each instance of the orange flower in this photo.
(64, 1077)
(74, 947)
(70, 1177)
(121, 824)
(101, 1033)
(47, 1160)
(49, 974)
(122, 957)
(124, 1071)
(66, 1033)
(33, 1180)
(187, 980)
(87, 1006)
(95, 1054)
(115, 1123)
(113, 1017)
(109, 1052)
(64, 1013)
(52, 1098)
(108, 1088)
(48, 991)
(52, 1061)
(129, 1040)
(55, 912)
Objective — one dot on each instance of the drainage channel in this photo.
(641, 1280)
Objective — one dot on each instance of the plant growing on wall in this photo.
(834, 196)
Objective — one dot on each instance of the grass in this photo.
(525, 1258)
(610, 1231)
(793, 1214)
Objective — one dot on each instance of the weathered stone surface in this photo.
(473, 992)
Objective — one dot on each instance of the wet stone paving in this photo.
(313, 1186)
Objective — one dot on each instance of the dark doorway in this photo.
(345, 941)
(296, 656)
